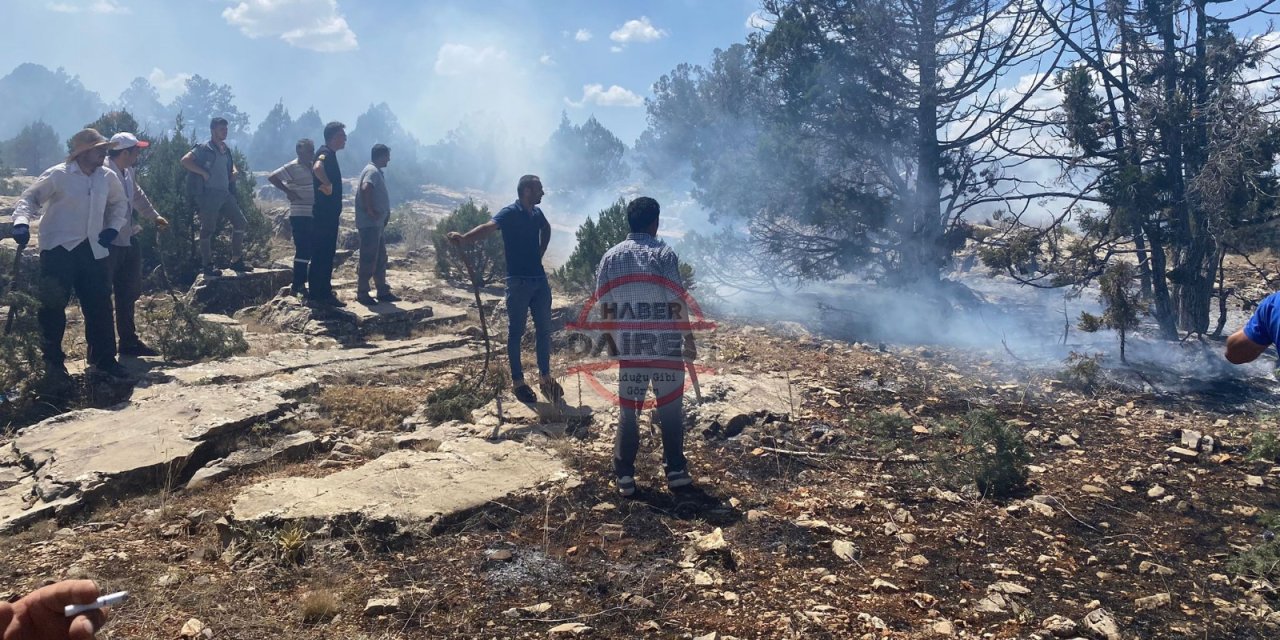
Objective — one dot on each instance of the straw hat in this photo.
(86, 140)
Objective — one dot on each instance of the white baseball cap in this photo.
(126, 140)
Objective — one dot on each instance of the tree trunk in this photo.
(925, 240)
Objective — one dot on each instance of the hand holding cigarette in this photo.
(42, 614)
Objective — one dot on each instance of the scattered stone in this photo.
(1009, 588)
(1254, 481)
(569, 629)
(604, 506)
(1067, 442)
(193, 628)
(1183, 454)
(1156, 492)
(381, 606)
(844, 550)
(942, 628)
(992, 603)
(884, 585)
(918, 560)
(1100, 624)
(501, 555)
(1152, 602)
(1150, 567)
(534, 609)
(1191, 439)
(1059, 626)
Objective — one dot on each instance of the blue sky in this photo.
(431, 60)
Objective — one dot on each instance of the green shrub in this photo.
(407, 227)
(179, 333)
(1083, 372)
(889, 430)
(998, 461)
(595, 237)
(21, 366)
(1265, 445)
(486, 257)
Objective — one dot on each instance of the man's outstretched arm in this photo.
(480, 232)
(1240, 349)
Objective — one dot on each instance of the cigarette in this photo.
(109, 600)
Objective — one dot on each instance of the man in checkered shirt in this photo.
(641, 304)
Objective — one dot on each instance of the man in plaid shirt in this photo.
(641, 304)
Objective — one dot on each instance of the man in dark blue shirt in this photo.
(325, 214)
(525, 236)
(1262, 331)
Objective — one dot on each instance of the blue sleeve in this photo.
(501, 218)
(1262, 328)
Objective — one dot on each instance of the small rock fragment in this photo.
(569, 629)
(843, 550)
(1100, 624)
(1183, 454)
(381, 606)
(1059, 626)
(1152, 602)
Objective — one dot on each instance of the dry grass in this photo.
(368, 408)
(320, 606)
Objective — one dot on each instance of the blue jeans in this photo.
(525, 295)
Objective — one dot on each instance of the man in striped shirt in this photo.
(641, 303)
(295, 179)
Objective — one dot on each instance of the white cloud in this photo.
(168, 86)
(317, 25)
(614, 96)
(757, 21)
(460, 59)
(546, 60)
(637, 31)
(94, 6)
(615, 49)
(582, 35)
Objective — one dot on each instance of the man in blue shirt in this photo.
(1262, 331)
(525, 236)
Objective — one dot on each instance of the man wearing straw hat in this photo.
(84, 208)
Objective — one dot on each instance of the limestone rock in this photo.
(382, 606)
(1059, 626)
(1152, 602)
(569, 629)
(1100, 624)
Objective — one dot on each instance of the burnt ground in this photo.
(855, 516)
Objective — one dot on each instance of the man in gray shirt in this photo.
(373, 210)
(215, 196)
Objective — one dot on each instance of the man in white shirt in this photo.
(125, 263)
(84, 208)
(296, 179)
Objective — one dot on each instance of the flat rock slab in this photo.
(234, 290)
(321, 362)
(147, 443)
(406, 485)
(352, 323)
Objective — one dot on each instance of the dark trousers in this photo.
(62, 272)
(301, 228)
(373, 261)
(124, 266)
(633, 386)
(525, 295)
(324, 242)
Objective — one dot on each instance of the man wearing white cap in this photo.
(125, 263)
(84, 209)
